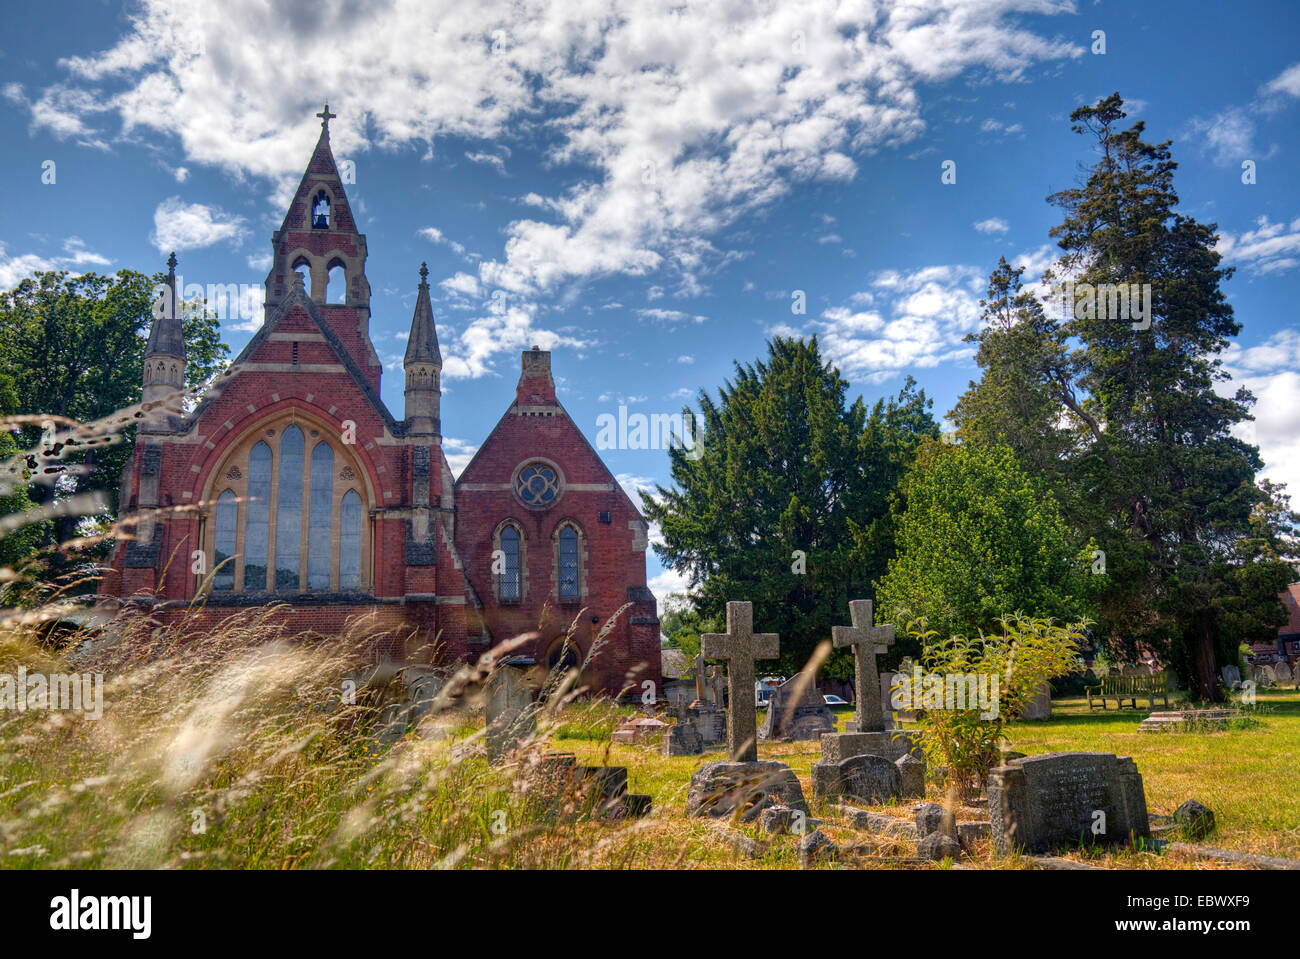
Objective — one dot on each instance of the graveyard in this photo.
(482, 768)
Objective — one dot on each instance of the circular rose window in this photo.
(537, 484)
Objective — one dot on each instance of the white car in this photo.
(834, 701)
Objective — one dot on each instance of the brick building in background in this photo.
(295, 484)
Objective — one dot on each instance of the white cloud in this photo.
(14, 269)
(466, 284)
(488, 159)
(1269, 370)
(192, 226)
(714, 99)
(668, 581)
(684, 358)
(458, 453)
(1287, 82)
(1271, 248)
(633, 485)
(992, 225)
(929, 311)
(434, 235)
(1229, 136)
(669, 316)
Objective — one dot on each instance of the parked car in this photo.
(834, 701)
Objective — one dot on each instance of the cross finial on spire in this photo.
(424, 272)
(325, 118)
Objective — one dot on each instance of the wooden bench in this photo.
(1128, 689)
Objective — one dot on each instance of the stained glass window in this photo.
(537, 484)
(350, 541)
(288, 524)
(509, 589)
(320, 517)
(257, 525)
(224, 541)
(568, 563)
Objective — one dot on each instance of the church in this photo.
(290, 482)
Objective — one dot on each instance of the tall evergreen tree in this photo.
(1195, 550)
(783, 505)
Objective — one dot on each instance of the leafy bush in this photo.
(1028, 652)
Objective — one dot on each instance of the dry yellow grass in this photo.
(233, 749)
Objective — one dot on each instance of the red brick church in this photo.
(291, 482)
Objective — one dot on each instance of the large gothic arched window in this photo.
(290, 513)
(568, 564)
(507, 564)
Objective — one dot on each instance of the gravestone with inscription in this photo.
(1041, 802)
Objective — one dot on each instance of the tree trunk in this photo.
(1205, 669)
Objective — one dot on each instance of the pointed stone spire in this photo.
(422, 346)
(165, 336)
(423, 366)
(164, 359)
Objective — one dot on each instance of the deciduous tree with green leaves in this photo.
(73, 347)
(979, 538)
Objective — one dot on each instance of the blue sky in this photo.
(642, 186)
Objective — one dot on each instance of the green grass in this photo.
(243, 732)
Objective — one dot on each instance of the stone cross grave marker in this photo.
(864, 638)
(740, 646)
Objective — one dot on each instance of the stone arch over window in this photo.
(302, 266)
(564, 653)
(336, 282)
(293, 512)
(509, 563)
(569, 563)
(320, 211)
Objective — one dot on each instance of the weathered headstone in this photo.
(796, 711)
(864, 638)
(559, 788)
(1269, 675)
(1232, 677)
(911, 773)
(872, 779)
(740, 646)
(1283, 671)
(510, 712)
(682, 740)
(1043, 801)
(722, 789)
